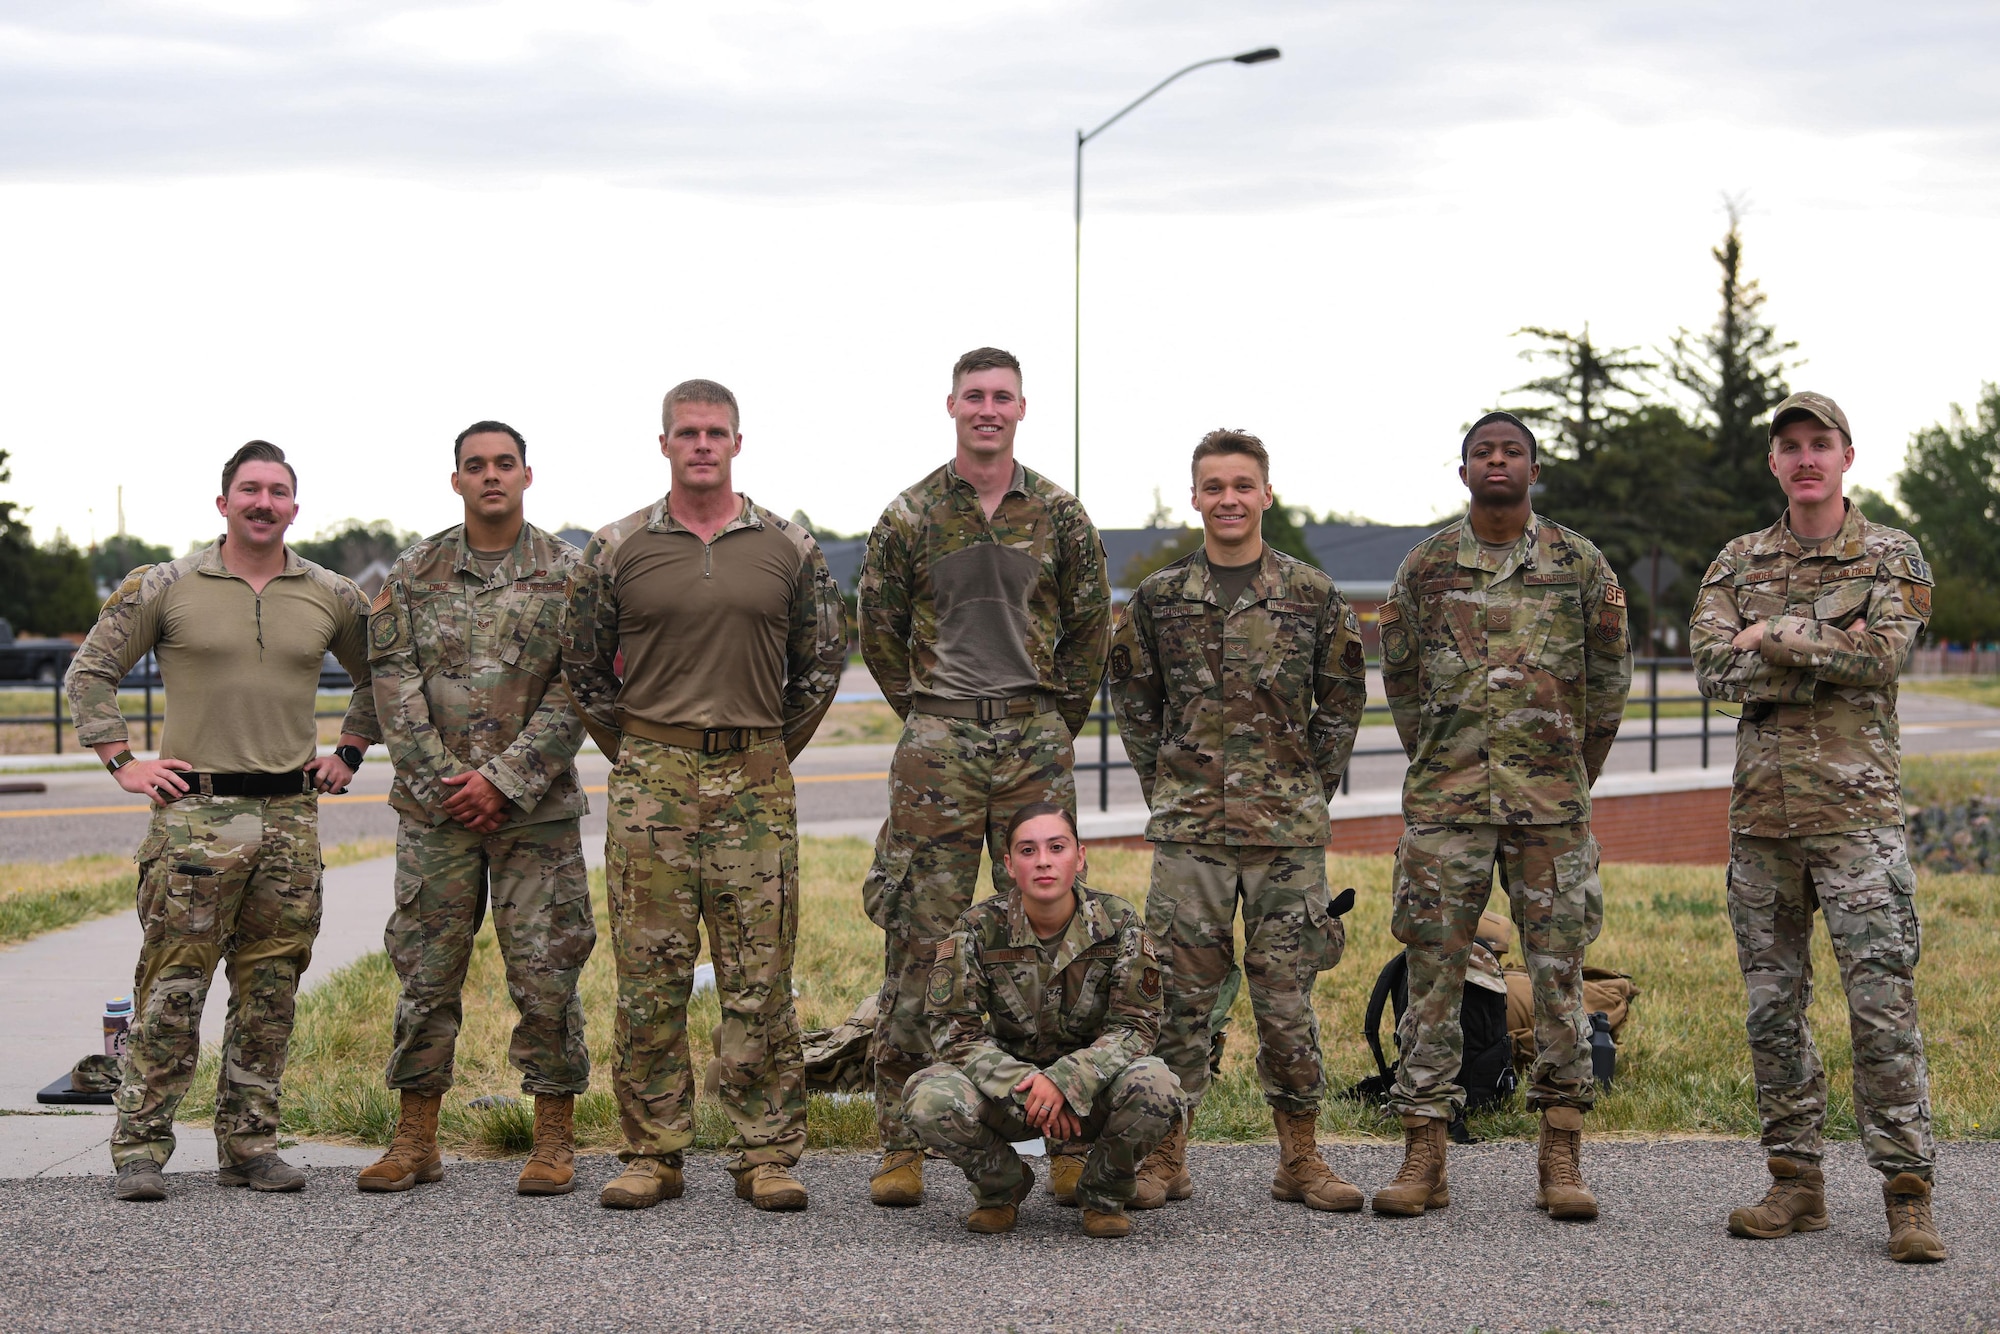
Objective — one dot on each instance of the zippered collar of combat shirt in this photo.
(1473, 556)
(211, 562)
(661, 520)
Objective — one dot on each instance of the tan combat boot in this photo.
(899, 1182)
(1913, 1236)
(413, 1153)
(993, 1219)
(551, 1167)
(1065, 1170)
(1560, 1167)
(1419, 1182)
(1796, 1202)
(1164, 1175)
(1303, 1176)
(1099, 1224)
(643, 1184)
(770, 1186)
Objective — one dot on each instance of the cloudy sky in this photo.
(353, 228)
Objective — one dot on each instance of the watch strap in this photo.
(120, 760)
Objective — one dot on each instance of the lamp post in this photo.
(1257, 57)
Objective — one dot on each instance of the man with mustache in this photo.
(733, 638)
(230, 869)
(985, 616)
(1506, 661)
(465, 643)
(1807, 625)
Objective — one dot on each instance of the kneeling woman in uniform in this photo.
(1049, 1000)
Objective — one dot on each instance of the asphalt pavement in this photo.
(469, 1254)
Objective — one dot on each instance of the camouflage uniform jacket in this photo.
(1080, 1019)
(148, 612)
(815, 648)
(1507, 675)
(1239, 720)
(937, 568)
(468, 676)
(1819, 749)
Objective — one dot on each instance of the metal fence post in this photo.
(1704, 731)
(1104, 746)
(57, 713)
(1653, 707)
(149, 710)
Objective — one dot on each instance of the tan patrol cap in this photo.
(1821, 408)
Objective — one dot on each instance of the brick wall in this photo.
(1691, 828)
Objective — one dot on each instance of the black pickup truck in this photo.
(41, 660)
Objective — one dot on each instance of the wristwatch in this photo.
(120, 760)
(351, 756)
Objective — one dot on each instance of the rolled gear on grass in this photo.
(1085, 1014)
(987, 636)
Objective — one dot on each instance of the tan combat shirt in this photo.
(241, 668)
(1819, 749)
(1507, 674)
(468, 675)
(1239, 720)
(745, 631)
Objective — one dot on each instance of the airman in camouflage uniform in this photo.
(466, 652)
(229, 871)
(987, 633)
(1239, 714)
(1085, 1012)
(733, 645)
(1507, 666)
(1816, 821)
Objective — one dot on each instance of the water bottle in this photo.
(117, 1026)
(1603, 1051)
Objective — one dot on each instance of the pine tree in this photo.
(1736, 374)
(1594, 388)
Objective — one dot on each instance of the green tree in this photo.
(116, 557)
(1736, 375)
(1592, 388)
(46, 589)
(1283, 530)
(352, 546)
(1951, 485)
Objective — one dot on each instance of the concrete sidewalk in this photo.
(52, 994)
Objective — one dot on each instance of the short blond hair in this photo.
(699, 391)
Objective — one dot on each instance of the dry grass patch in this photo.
(1684, 1068)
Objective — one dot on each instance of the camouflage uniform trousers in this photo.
(694, 839)
(953, 786)
(1127, 1121)
(1444, 876)
(1863, 882)
(540, 894)
(1191, 911)
(234, 880)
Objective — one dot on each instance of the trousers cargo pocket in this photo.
(1753, 913)
(572, 930)
(190, 901)
(885, 891)
(1324, 938)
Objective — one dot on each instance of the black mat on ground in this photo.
(61, 1093)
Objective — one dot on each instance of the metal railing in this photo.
(1646, 669)
(152, 712)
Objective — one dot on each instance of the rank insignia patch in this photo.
(1352, 659)
(1149, 984)
(1121, 661)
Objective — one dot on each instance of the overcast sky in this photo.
(355, 228)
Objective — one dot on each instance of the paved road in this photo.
(468, 1254)
(844, 789)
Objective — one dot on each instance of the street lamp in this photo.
(1257, 57)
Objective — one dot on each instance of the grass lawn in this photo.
(1972, 689)
(1948, 780)
(1683, 1069)
(38, 897)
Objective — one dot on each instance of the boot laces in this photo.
(1562, 1165)
(1417, 1159)
(1909, 1212)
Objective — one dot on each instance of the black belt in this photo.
(289, 784)
(984, 710)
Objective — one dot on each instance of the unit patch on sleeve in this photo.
(940, 985)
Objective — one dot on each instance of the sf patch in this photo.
(1611, 616)
(940, 990)
(1121, 661)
